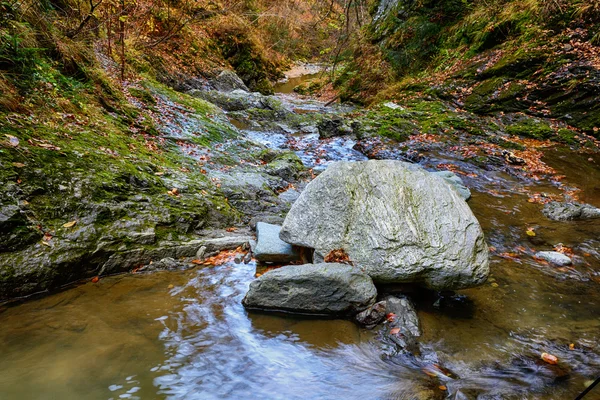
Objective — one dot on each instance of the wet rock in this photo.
(165, 264)
(270, 248)
(287, 166)
(405, 316)
(324, 289)
(395, 220)
(455, 182)
(289, 196)
(128, 259)
(372, 316)
(236, 100)
(329, 128)
(570, 211)
(228, 81)
(554, 257)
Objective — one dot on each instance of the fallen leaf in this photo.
(530, 232)
(70, 224)
(390, 317)
(572, 346)
(495, 285)
(232, 229)
(549, 358)
(394, 331)
(18, 164)
(442, 387)
(170, 287)
(95, 279)
(338, 256)
(45, 243)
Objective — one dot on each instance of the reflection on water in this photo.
(138, 337)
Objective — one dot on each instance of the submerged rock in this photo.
(554, 257)
(455, 182)
(395, 220)
(270, 248)
(372, 316)
(324, 289)
(570, 211)
(404, 315)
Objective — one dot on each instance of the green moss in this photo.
(567, 136)
(143, 95)
(531, 128)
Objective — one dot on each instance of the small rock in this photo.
(372, 316)
(329, 128)
(270, 248)
(289, 196)
(405, 315)
(455, 182)
(554, 257)
(323, 289)
(393, 106)
(570, 211)
(238, 258)
(201, 253)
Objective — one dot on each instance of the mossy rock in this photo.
(519, 64)
(496, 94)
(531, 128)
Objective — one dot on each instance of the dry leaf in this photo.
(95, 279)
(530, 232)
(394, 331)
(572, 346)
(70, 224)
(18, 164)
(549, 358)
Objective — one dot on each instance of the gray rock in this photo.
(570, 211)
(125, 260)
(228, 81)
(455, 182)
(372, 316)
(329, 128)
(270, 248)
(405, 315)
(395, 220)
(289, 196)
(554, 257)
(324, 289)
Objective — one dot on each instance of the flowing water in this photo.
(185, 335)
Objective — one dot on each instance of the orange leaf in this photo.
(95, 279)
(394, 331)
(390, 317)
(549, 358)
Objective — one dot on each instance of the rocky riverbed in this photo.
(185, 332)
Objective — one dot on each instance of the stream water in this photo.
(185, 335)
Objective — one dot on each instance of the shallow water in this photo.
(185, 335)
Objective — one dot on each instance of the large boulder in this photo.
(228, 81)
(395, 220)
(324, 289)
